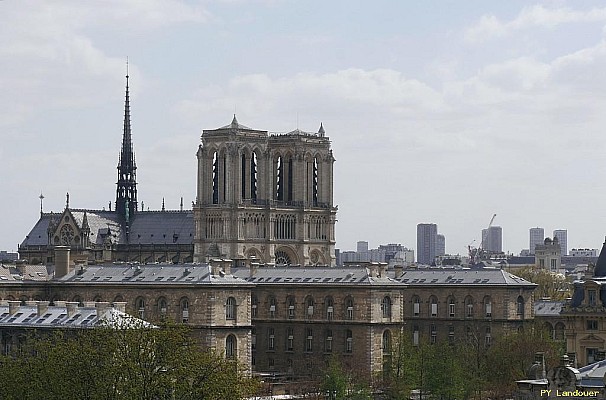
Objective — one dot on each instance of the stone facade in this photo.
(263, 196)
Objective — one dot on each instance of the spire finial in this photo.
(67, 200)
(321, 130)
(41, 197)
(163, 209)
(181, 203)
(126, 191)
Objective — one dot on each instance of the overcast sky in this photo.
(438, 111)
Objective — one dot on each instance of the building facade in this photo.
(562, 235)
(547, 255)
(537, 236)
(426, 243)
(265, 196)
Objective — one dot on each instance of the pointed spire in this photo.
(67, 200)
(600, 265)
(41, 197)
(234, 122)
(126, 191)
(163, 209)
(181, 203)
(321, 131)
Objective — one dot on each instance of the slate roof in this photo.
(57, 317)
(30, 273)
(544, 308)
(145, 274)
(600, 266)
(313, 276)
(147, 227)
(462, 277)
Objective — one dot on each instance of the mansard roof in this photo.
(314, 276)
(462, 277)
(150, 274)
(146, 227)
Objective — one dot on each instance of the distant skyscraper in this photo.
(562, 235)
(362, 246)
(537, 236)
(426, 243)
(492, 239)
(440, 245)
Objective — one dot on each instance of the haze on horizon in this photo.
(438, 111)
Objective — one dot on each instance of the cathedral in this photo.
(260, 196)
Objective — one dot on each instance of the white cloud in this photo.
(490, 26)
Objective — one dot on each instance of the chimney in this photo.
(102, 307)
(13, 306)
(3, 303)
(120, 306)
(62, 262)
(42, 307)
(382, 268)
(72, 307)
(373, 270)
(398, 269)
(215, 266)
(20, 264)
(254, 267)
(227, 266)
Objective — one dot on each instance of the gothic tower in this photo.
(265, 196)
(126, 191)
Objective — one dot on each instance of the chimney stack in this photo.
(227, 266)
(42, 307)
(398, 269)
(62, 261)
(215, 266)
(254, 267)
(102, 307)
(72, 307)
(13, 306)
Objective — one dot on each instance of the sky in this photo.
(438, 111)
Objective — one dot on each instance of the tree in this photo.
(123, 363)
(550, 285)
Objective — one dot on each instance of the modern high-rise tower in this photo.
(440, 245)
(492, 239)
(562, 235)
(265, 196)
(537, 236)
(426, 243)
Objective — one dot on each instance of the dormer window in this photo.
(592, 297)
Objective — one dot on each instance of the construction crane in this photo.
(475, 253)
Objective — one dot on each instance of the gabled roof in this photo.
(147, 227)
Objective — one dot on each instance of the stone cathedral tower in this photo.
(265, 196)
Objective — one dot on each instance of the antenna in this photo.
(126, 66)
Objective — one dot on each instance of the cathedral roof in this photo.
(600, 267)
(146, 227)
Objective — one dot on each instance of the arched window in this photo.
(162, 307)
(272, 306)
(433, 306)
(254, 306)
(349, 308)
(416, 306)
(487, 306)
(230, 308)
(549, 330)
(386, 307)
(140, 307)
(291, 307)
(520, 307)
(386, 343)
(469, 307)
(451, 307)
(329, 306)
(231, 346)
(348, 341)
(309, 307)
(328, 341)
(559, 331)
(184, 306)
